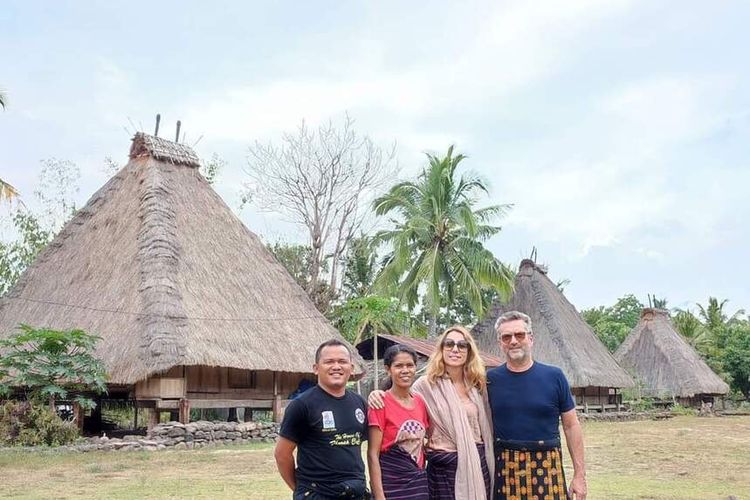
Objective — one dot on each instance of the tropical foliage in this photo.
(51, 365)
(436, 240)
(612, 324)
(363, 317)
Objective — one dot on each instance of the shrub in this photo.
(678, 409)
(27, 424)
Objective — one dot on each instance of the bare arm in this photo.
(574, 438)
(283, 453)
(374, 441)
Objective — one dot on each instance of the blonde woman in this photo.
(459, 447)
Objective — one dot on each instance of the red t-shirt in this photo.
(404, 427)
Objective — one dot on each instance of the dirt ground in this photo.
(680, 458)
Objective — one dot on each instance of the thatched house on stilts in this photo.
(561, 338)
(667, 366)
(193, 310)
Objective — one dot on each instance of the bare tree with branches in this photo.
(319, 179)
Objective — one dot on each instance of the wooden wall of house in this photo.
(596, 396)
(212, 382)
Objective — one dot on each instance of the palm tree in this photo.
(691, 328)
(7, 192)
(436, 242)
(717, 321)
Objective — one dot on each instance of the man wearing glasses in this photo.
(528, 399)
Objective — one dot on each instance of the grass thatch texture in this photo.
(561, 337)
(664, 361)
(159, 267)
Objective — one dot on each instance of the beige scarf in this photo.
(447, 413)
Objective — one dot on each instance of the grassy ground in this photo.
(681, 458)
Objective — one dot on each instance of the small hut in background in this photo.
(561, 338)
(424, 348)
(193, 311)
(666, 364)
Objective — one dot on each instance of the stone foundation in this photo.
(177, 436)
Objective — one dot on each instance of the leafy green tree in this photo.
(736, 356)
(362, 317)
(52, 365)
(210, 169)
(360, 267)
(16, 256)
(613, 324)
(437, 240)
(296, 259)
(717, 321)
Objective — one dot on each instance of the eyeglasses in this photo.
(450, 344)
(520, 337)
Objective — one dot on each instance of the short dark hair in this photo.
(396, 349)
(331, 343)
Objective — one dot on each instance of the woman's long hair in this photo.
(475, 373)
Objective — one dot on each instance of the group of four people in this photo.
(457, 432)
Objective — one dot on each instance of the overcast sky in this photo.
(618, 129)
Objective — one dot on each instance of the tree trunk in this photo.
(432, 326)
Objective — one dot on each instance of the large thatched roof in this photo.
(159, 266)
(664, 361)
(561, 337)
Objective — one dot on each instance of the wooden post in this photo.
(135, 418)
(184, 411)
(248, 417)
(276, 404)
(78, 413)
(153, 418)
(232, 416)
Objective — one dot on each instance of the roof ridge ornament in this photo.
(145, 145)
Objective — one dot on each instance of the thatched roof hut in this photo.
(561, 337)
(663, 360)
(158, 266)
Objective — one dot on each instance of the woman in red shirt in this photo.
(395, 452)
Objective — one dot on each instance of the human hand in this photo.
(577, 489)
(375, 399)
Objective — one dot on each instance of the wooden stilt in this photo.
(184, 413)
(248, 417)
(153, 418)
(276, 404)
(135, 418)
(78, 413)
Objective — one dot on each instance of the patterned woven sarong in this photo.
(441, 473)
(402, 477)
(529, 470)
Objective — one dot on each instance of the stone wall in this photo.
(176, 436)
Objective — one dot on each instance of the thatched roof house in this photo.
(663, 360)
(561, 337)
(189, 303)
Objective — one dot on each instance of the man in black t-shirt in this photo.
(326, 425)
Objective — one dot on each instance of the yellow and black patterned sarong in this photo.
(529, 471)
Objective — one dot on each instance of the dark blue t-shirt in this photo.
(526, 406)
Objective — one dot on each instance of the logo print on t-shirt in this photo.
(328, 421)
(410, 438)
(360, 415)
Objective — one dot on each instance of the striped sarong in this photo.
(402, 477)
(441, 473)
(529, 470)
